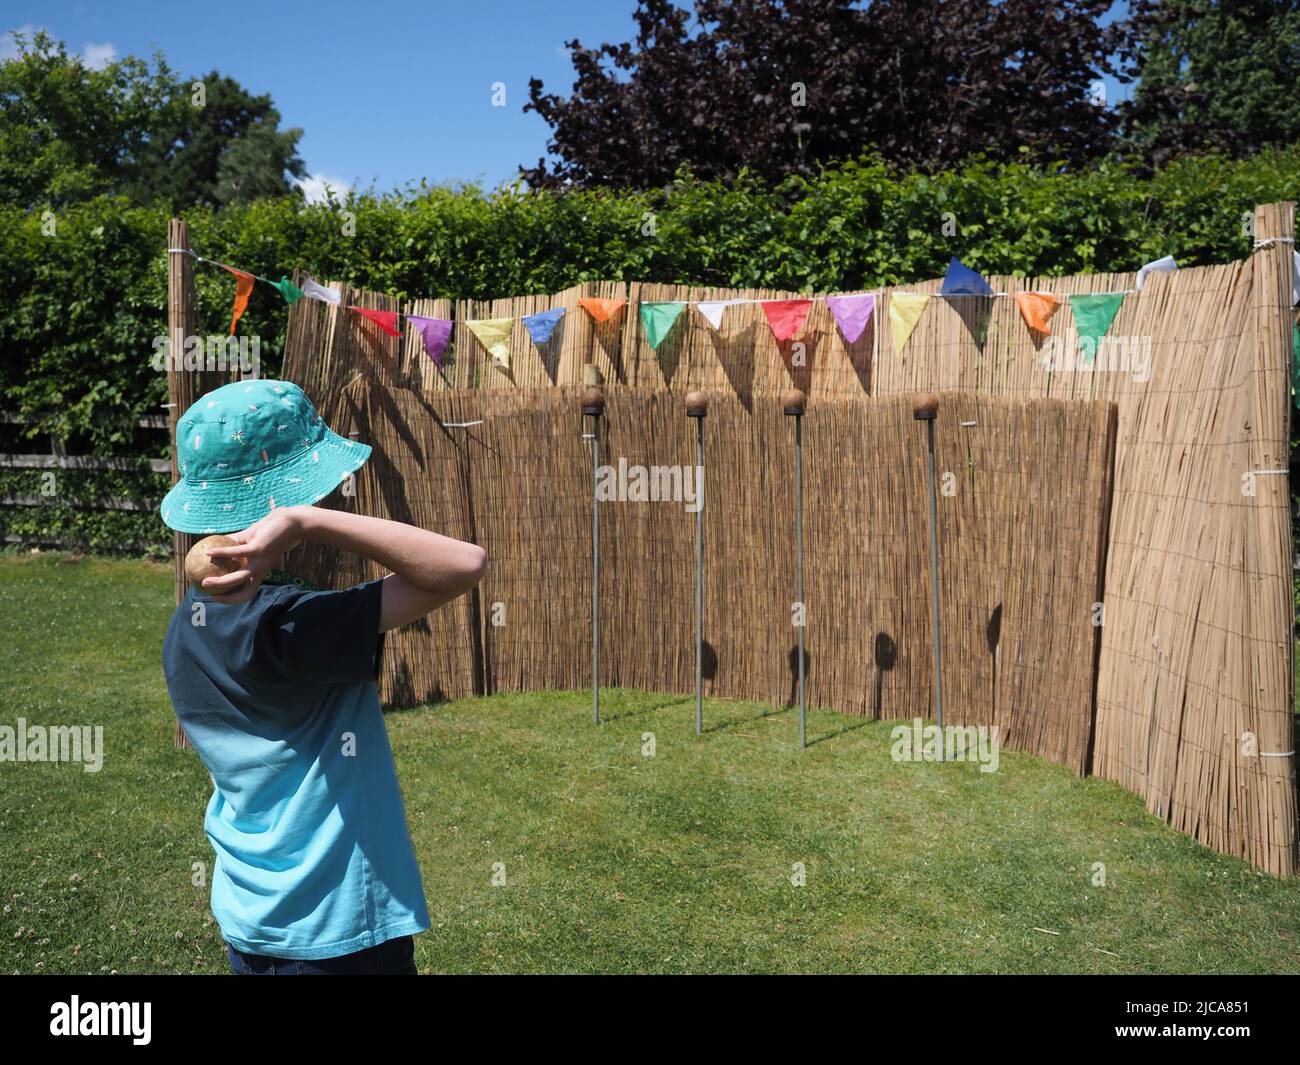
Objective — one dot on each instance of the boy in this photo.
(274, 685)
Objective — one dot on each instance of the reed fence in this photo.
(1166, 484)
(1022, 553)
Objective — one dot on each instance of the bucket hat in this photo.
(249, 447)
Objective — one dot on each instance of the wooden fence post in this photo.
(1269, 549)
(184, 386)
(182, 321)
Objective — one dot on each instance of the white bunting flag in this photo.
(1165, 265)
(320, 292)
(712, 310)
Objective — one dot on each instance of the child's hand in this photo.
(261, 548)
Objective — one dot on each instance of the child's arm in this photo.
(428, 569)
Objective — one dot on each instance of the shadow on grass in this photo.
(641, 711)
(860, 723)
(722, 726)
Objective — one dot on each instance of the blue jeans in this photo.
(394, 957)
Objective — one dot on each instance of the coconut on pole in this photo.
(793, 404)
(593, 407)
(697, 407)
(925, 408)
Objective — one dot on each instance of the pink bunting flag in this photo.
(386, 320)
(851, 314)
(786, 317)
(435, 332)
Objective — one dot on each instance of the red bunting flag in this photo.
(386, 320)
(243, 289)
(786, 317)
(601, 310)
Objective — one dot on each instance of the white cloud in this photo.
(9, 47)
(95, 56)
(314, 187)
(98, 56)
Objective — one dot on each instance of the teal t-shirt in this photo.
(278, 697)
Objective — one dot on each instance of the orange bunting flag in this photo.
(386, 320)
(786, 317)
(1037, 308)
(243, 289)
(601, 310)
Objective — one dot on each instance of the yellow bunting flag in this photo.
(1037, 308)
(904, 312)
(601, 310)
(494, 334)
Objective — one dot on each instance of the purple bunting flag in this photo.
(851, 314)
(435, 331)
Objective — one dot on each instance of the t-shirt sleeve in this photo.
(319, 638)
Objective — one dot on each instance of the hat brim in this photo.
(235, 503)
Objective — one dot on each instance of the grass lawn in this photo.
(613, 861)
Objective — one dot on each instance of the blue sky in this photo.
(388, 92)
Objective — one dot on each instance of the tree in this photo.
(785, 86)
(216, 144)
(68, 133)
(1215, 74)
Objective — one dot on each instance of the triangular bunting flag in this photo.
(1037, 308)
(320, 292)
(1295, 358)
(1093, 314)
(386, 320)
(541, 325)
(851, 314)
(435, 332)
(494, 334)
(1165, 265)
(658, 319)
(291, 292)
(600, 309)
(243, 289)
(712, 310)
(904, 312)
(961, 280)
(786, 317)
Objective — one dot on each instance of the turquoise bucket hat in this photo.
(249, 447)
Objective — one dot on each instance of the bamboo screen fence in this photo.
(1193, 703)
(1022, 552)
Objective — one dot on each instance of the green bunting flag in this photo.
(658, 319)
(1093, 314)
(1295, 357)
(291, 292)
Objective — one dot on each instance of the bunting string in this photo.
(786, 316)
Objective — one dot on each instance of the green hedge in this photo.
(69, 517)
(82, 307)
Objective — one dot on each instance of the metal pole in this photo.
(595, 571)
(593, 405)
(699, 586)
(926, 408)
(697, 405)
(934, 583)
(803, 615)
(793, 403)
